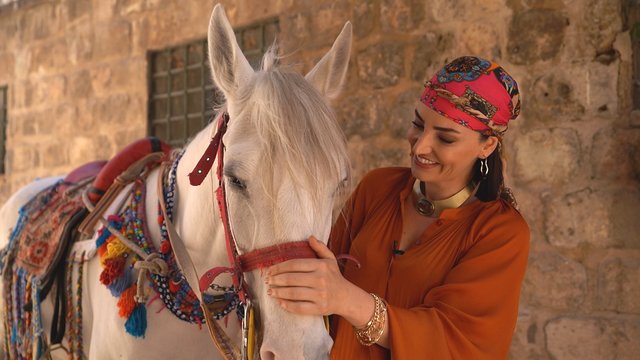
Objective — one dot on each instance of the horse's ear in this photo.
(329, 74)
(229, 67)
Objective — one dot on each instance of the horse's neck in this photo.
(196, 216)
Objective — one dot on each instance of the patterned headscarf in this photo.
(475, 93)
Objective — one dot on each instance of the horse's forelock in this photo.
(297, 131)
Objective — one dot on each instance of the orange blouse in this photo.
(452, 295)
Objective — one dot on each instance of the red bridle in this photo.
(256, 259)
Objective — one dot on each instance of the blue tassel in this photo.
(103, 237)
(121, 283)
(136, 324)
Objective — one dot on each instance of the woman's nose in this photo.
(423, 144)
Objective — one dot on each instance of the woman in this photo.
(442, 248)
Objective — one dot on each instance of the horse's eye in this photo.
(237, 183)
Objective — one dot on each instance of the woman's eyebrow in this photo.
(445, 129)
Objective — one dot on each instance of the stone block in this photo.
(365, 17)
(7, 62)
(49, 56)
(80, 43)
(22, 158)
(369, 154)
(54, 154)
(381, 65)
(464, 11)
(527, 338)
(103, 10)
(111, 39)
(580, 217)
(601, 23)
(402, 112)
(549, 156)
(535, 35)
(362, 115)
(77, 9)
(80, 85)
(120, 76)
(482, 39)
(625, 227)
(615, 154)
(83, 149)
(401, 15)
(618, 286)
(39, 22)
(553, 98)
(553, 281)
(45, 90)
(22, 62)
(592, 338)
(429, 55)
(602, 88)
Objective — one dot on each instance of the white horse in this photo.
(285, 157)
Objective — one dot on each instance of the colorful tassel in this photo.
(113, 268)
(121, 283)
(127, 301)
(136, 324)
(102, 238)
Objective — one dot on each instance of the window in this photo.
(632, 22)
(182, 96)
(3, 126)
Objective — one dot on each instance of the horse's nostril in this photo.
(267, 355)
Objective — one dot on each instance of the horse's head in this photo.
(285, 157)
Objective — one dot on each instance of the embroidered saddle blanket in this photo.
(50, 220)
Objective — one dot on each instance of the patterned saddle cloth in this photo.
(49, 222)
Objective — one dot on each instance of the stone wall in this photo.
(77, 76)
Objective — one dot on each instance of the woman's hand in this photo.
(310, 286)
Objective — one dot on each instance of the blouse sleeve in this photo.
(472, 314)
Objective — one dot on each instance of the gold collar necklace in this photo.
(433, 208)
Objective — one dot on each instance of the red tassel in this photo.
(113, 268)
(127, 301)
(160, 219)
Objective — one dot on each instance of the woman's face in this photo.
(442, 151)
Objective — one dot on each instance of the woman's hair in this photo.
(491, 187)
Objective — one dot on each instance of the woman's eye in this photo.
(417, 124)
(446, 141)
(237, 183)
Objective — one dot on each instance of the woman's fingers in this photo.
(292, 279)
(320, 248)
(301, 307)
(293, 293)
(295, 265)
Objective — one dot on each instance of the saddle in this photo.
(49, 222)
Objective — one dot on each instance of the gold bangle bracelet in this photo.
(373, 330)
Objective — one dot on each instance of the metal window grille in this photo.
(182, 96)
(3, 127)
(631, 20)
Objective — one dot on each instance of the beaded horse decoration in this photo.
(285, 158)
